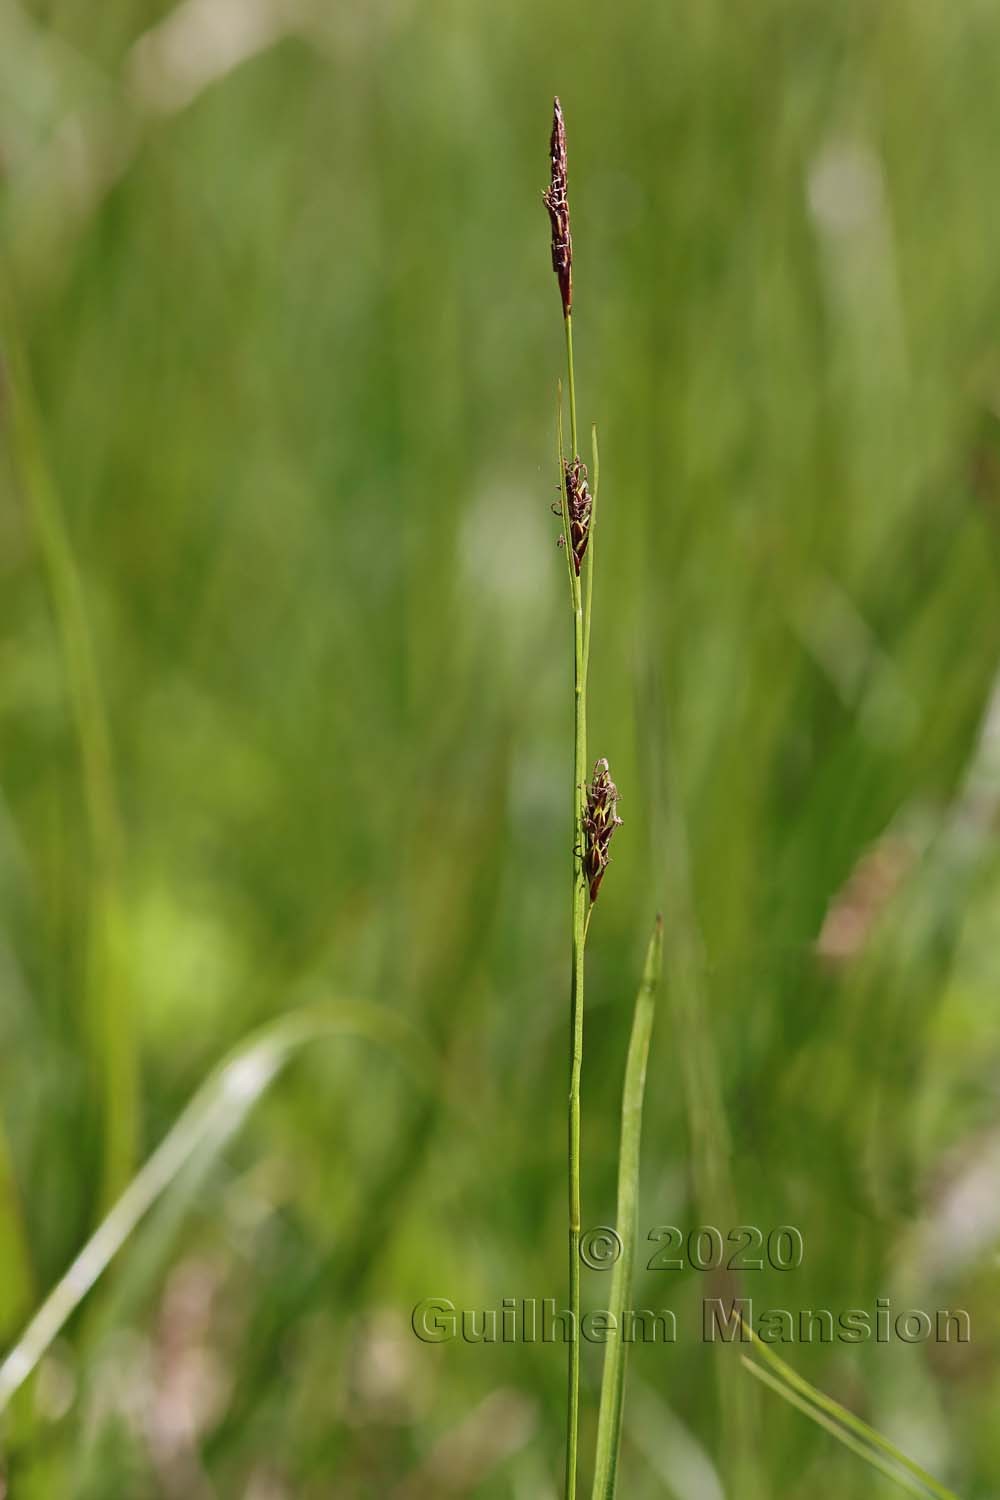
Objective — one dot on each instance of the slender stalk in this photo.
(580, 924)
(574, 443)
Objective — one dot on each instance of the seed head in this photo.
(557, 204)
(600, 819)
(580, 504)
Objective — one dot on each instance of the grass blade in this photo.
(830, 1414)
(108, 1024)
(16, 1271)
(855, 1445)
(743, 1462)
(613, 1379)
(210, 1119)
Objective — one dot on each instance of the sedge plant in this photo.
(595, 819)
(577, 509)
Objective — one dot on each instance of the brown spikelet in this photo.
(580, 505)
(600, 819)
(557, 203)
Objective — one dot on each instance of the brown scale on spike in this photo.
(580, 504)
(600, 819)
(557, 203)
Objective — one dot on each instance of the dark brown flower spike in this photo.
(580, 505)
(600, 819)
(557, 203)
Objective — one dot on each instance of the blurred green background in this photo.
(280, 347)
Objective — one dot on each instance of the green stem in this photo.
(576, 1054)
(572, 387)
(579, 944)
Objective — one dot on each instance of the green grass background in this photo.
(293, 339)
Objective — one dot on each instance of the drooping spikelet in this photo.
(557, 203)
(600, 819)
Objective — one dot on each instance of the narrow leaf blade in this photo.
(829, 1413)
(613, 1379)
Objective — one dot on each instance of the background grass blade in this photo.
(836, 1418)
(16, 1272)
(863, 1451)
(209, 1121)
(613, 1380)
(715, 1196)
(107, 1023)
